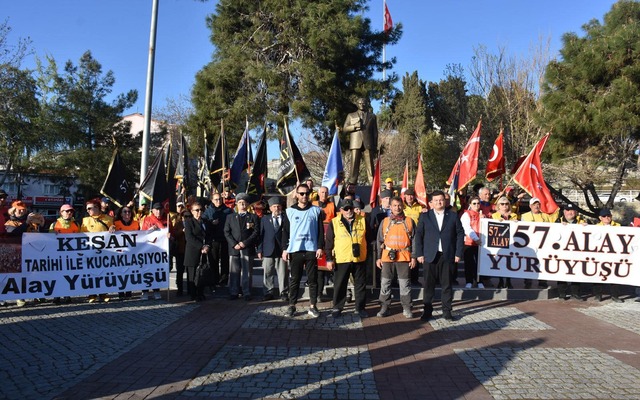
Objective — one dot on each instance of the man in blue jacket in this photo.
(303, 237)
(439, 245)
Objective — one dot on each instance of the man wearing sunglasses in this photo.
(346, 249)
(303, 241)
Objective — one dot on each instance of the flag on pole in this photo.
(529, 177)
(467, 165)
(154, 187)
(115, 184)
(405, 180)
(420, 187)
(204, 175)
(292, 167)
(334, 170)
(388, 22)
(172, 183)
(496, 163)
(375, 186)
(256, 184)
(182, 171)
(243, 158)
(219, 163)
(453, 186)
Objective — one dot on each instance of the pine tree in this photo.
(276, 60)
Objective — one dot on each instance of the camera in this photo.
(393, 254)
(355, 249)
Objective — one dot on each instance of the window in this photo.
(51, 190)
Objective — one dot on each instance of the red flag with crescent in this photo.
(388, 22)
(467, 163)
(420, 188)
(496, 163)
(529, 177)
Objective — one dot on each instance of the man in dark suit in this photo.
(270, 252)
(439, 245)
(241, 230)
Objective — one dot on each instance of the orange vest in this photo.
(60, 228)
(474, 220)
(397, 236)
(133, 226)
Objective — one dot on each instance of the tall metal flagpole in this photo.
(149, 94)
(384, 45)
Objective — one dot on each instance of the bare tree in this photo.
(510, 86)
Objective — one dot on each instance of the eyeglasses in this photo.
(197, 210)
(67, 211)
(503, 204)
(90, 208)
(347, 208)
(606, 216)
(303, 193)
(475, 203)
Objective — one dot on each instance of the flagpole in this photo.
(384, 46)
(144, 161)
(224, 162)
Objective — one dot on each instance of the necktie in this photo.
(276, 223)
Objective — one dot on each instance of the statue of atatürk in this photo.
(363, 127)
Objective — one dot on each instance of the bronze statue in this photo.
(363, 127)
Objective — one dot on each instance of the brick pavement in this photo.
(235, 349)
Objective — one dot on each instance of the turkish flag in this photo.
(375, 186)
(467, 163)
(405, 180)
(496, 163)
(388, 22)
(420, 188)
(529, 177)
(636, 221)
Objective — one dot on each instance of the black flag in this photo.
(155, 187)
(256, 185)
(115, 185)
(292, 167)
(219, 166)
(182, 172)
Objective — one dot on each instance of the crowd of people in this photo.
(322, 238)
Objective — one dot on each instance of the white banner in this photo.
(557, 252)
(75, 264)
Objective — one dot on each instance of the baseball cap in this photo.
(388, 180)
(534, 200)
(346, 203)
(605, 212)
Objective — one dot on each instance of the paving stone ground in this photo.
(498, 349)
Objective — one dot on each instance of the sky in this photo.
(436, 33)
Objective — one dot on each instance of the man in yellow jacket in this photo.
(346, 251)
